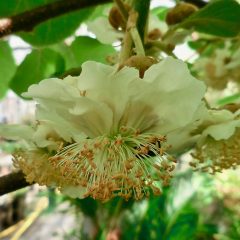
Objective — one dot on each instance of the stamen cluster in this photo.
(214, 156)
(127, 164)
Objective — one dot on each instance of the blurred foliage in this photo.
(9, 146)
(219, 18)
(196, 206)
(8, 67)
(39, 64)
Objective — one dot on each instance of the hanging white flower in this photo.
(218, 146)
(111, 128)
(106, 34)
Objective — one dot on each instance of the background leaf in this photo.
(229, 99)
(12, 7)
(56, 29)
(7, 67)
(220, 18)
(160, 12)
(86, 48)
(37, 65)
(185, 226)
(51, 31)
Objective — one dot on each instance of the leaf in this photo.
(160, 12)
(219, 18)
(185, 227)
(229, 99)
(51, 31)
(86, 48)
(66, 52)
(37, 65)
(12, 7)
(57, 29)
(8, 67)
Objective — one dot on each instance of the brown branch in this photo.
(198, 3)
(12, 182)
(26, 21)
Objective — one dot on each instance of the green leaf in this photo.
(198, 44)
(37, 65)
(185, 227)
(229, 99)
(8, 67)
(86, 48)
(12, 7)
(219, 18)
(160, 12)
(51, 31)
(57, 29)
(66, 52)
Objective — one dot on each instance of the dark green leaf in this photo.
(12, 7)
(86, 48)
(37, 65)
(57, 29)
(51, 31)
(87, 206)
(220, 18)
(196, 45)
(185, 227)
(7, 67)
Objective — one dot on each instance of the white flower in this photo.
(103, 31)
(221, 67)
(219, 144)
(106, 34)
(112, 125)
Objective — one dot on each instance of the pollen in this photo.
(126, 164)
(214, 156)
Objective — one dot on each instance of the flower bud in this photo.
(180, 12)
(115, 18)
(154, 34)
(142, 63)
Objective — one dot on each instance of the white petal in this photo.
(94, 118)
(175, 94)
(61, 122)
(223, 130)
(103, 83)
(183, 138)
(52, 89)
(42, 134)
(104, 32)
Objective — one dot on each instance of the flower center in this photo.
(127, 164)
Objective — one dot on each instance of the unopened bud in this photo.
(116, 19)
(180, 12)
(142, 63)
(154, 34)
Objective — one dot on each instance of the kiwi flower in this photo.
(218, 147)
(104, 133)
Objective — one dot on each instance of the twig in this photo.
(12, 182)
(132, 20)
(198, 3)
(26, 21)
